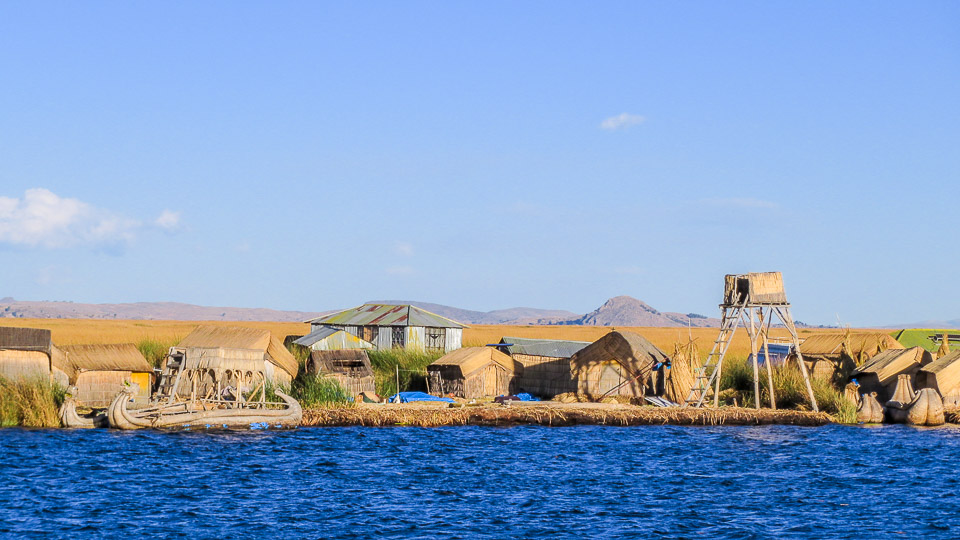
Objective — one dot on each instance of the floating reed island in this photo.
(551, 414)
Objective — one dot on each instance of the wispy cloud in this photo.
(740, 202)
(404, 249)
(43, 219)
(621, 121)
(168, 220)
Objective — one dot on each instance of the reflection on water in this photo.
(470, 482)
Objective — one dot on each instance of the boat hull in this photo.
(180, 416)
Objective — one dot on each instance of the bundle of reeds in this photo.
(680, 378)
(944, 346)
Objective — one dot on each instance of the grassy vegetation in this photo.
(317, 390)
(413, 370)
(736, 383)
(155, 350)
(30, 403)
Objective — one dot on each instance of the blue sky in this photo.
(485, 155)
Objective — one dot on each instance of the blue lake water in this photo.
(473, 482)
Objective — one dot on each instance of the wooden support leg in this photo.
(766, 356)
(788, 322)
(752, 329)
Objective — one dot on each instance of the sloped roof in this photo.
(387, 315)
(552, 348)
(470, 359)
(832, 344)
(27, 339)
(890, 363)
(943, 374)
(324, 332)
(632, 351)
(118, 357)
(234, 337)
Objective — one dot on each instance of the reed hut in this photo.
(349, 367)
(942, 375)
(29, 353)
(219, 357)
(833, 356)
(881, 372)
(328, 338)
(474, 372)
(546, 364)
(101, 371)
(619, 364)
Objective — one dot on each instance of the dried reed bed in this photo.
(553, 414)
(98, 331)
(664, 338)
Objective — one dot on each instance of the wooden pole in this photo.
(398, 380)
(784, 313)
(753, 353)
(765, 332)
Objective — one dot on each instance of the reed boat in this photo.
(210, 387)
(70, 418)
(204, 413)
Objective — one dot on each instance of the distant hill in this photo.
(951, 324)
(519, 315)
(618, 311)
(628, 311)
(167, 311)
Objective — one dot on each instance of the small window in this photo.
(397, 340)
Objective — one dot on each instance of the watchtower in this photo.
(753, 300)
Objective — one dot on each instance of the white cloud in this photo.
(404, 249)
(621, 121)
(168, 220)
(44, 219)
(740, 202)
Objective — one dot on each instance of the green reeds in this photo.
(736, 383)
(155, 350)
(412, 370)
(316, 390)
(30, 402)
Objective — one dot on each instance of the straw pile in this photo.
(686, 358)
(554, 415)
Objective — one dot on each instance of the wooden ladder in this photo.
(169, 378)
(706, 375)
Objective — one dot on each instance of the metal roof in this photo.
(319, 334)
(387, 315)
(554, 348)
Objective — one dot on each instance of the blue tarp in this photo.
(778, 353)
(407, 397)
(527, 397)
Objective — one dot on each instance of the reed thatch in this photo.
(759, 287)
(619, 363)
(26, 339)
(118, 357)
(231, 337)
(860, 346)
(30, 352)
(881, 372)
(942, 375)
(349, 367)
(680, 379)
(474, 372)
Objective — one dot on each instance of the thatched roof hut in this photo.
(99, 372)
(835, 355)
(618, 364)
(27, 353)
(943, 375)
(880, 373)
(350, 367)
(231, 341)
(546, 363)
(473, 372)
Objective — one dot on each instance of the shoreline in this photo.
(552, 414)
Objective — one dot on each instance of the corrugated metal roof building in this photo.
(389, 326)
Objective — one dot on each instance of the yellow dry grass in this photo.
(93, 331)
(664, 338)
(98, 331)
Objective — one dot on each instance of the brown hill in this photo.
(628, 311)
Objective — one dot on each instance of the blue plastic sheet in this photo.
(407, 397)
(527, 397)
